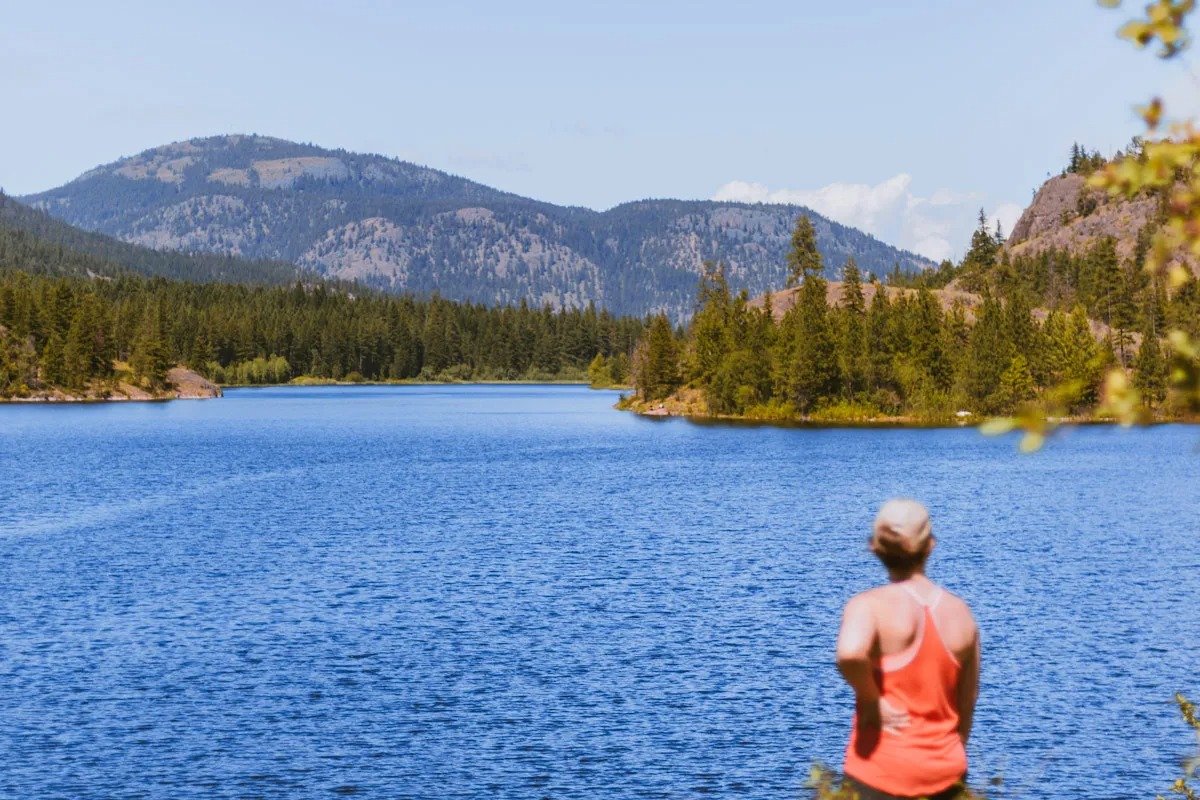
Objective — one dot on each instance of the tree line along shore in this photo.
(1043, 329)
(81, 338)
(1043, 332)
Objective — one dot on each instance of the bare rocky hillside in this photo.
(1066, 215)
(783, 300)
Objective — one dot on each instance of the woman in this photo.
(910, 651)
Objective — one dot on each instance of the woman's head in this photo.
(902, 537)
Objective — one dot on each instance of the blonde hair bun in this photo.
(902, 528)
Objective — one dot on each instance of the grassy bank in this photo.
(689, 403)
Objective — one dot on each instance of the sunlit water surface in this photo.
(517, 592)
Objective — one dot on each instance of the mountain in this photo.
(403, 227)
(33, 241)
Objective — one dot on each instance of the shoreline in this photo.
(663, 410)
(182, 384)
(181, 392)
(314, 382)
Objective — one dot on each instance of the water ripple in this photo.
(479, 592)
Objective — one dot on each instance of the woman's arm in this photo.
(856, 645)
(968, 689)
(856, 641)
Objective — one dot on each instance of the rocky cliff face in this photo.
(404, 227)
(1066, 215)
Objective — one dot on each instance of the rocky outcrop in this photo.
(182, 384)
(1067, 215)
(189, 385)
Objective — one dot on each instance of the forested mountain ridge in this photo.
(34, 241)
(403, 227)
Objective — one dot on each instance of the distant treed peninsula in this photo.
(1032, 322)
(405, 228)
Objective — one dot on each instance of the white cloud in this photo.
(937, 226)
(1006, 214)
(855, 204)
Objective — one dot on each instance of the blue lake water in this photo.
(517, 592)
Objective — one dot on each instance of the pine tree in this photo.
(18, 364)
(1057, 355)
(1022, 331)
(1183, 307)
(656, 370)
(980, 257)
(77, 352)
(1150, 369)
(52, 360)
(441, 341)
(711, 325)
(743, 380)
(814, 368)
(1112, 297)
(957, 336)
(927, 338)
(150, 360)
(852, 316)
(201, 352)
(1016, 385)
(804, 258)
(1075, 359)
(599, 373)
(990, 355)
(881, 345)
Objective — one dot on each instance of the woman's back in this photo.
(918, 673)
(910, 651)
(897, 608)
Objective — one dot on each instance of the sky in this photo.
(903, 119)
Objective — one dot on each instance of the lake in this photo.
(517, 592)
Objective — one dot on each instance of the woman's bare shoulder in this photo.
(954, 607)
(953, 600)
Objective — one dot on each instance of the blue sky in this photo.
(899, 118)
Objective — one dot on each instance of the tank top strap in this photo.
(932, 604)
(912, 593)
(937, 598)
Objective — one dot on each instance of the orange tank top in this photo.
(928, 755)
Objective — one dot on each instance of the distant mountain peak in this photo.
(401, 226)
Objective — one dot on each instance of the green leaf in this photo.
(997, 426)
(1031, 442)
